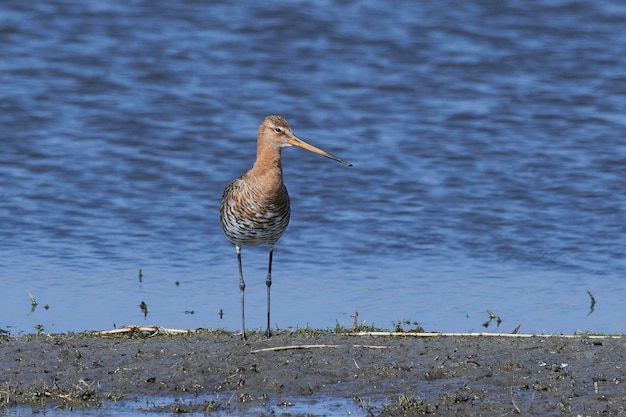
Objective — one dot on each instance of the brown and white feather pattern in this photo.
(255, 210)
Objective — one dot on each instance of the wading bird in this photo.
(255, 206)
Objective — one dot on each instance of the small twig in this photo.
(33, 302)
(413, 334)
(277, 348)
(230, 399)
(592, 307)
(371, 346)
(356, 319)
(515, 407)
(151, 329)
(291, 347)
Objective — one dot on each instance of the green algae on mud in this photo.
(214, 371)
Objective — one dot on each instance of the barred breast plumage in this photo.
(251, 217)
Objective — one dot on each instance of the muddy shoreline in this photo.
(378, 375)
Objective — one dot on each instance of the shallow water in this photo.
(487, 143)
(195, 405)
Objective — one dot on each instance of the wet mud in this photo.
(211, 372)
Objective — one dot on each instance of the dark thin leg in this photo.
(242, 287)
(268, 282)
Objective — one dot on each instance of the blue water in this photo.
(488, 143)
(229, 405)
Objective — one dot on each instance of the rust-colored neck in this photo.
(267, 160)
(267, 171)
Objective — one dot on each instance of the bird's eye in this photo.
(277, 129)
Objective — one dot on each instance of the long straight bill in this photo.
(296, 141)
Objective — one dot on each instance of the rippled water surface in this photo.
(488, 143)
